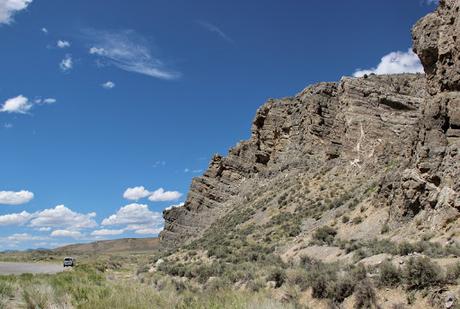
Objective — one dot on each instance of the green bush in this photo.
(453, 273)
(278, 275)
(340, 289)
(421, 272)
(6, 289)
(389, 275)
(321, 277)
(364, 294)
(297, 277)
(325, 235)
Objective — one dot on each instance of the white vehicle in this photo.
(69, 262)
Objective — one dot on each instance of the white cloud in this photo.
(128, 51)
(15, 219)
(19, 105)
(49, 100)
(106, 232)
(62, 217)
(161, 195)
(8, 125)
(213, 28)
(20, 237)
(175, 206)
(62, 44)
(9, 7)
(15, 198)
(394, 63)
(44, 30)
(22, 105)
(148, 231)
(196, 171)
(66, 63)
(133, 214)
(136, 217)
(44, 229)
(159, 163)
(66, 233)
(45, 101)
(108, 85)
(136, 193)
(429, 2)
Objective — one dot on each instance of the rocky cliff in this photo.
(387, 143)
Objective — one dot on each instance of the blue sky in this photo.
(108, 111)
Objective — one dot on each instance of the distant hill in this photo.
(111, 246)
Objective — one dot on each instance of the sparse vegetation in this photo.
(324, 235)
(420, 273)
(389, 275)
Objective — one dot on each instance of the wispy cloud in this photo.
(394, 63)
(45, 30)
(62, 44)
(128, 51)
(108, 85)
(195, 171)
(10, 7)
(213, 28)
(66, 64)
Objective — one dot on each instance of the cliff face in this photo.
(437, 168)
(397, 134)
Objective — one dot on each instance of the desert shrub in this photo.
(204, 272)
(298, 277)
(405, 248)
(340, 289)
(6, 289)
(389, 275)
(216, 284)
(453, 273)
(358, 273)
(307, 262)
(142, 269)
(360, 254)
(278, 275)
(320, 277)
(325, 235)
(357, 220)
(364, 294)
(421, 273)
(345, 219)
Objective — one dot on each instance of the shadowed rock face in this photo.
(401, 132)
(434, 180)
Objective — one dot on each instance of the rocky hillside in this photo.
(110, 246)
(342, 189)
(399, 134)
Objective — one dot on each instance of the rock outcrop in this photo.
(397, 133)
(437, 170)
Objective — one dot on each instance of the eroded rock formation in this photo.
(401, 132)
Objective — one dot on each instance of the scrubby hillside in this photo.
(111, 246)
(347, 188)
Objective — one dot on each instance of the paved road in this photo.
(7, 268)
